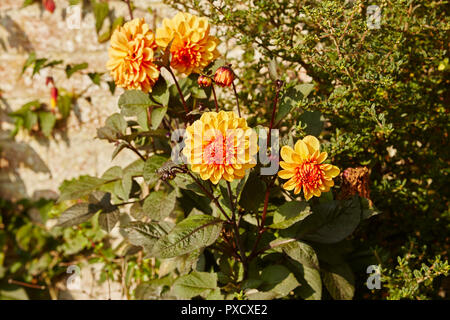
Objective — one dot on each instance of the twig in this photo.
(24, 284)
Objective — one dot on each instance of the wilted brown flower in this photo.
(355, 181)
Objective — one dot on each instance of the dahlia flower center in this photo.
(186, 56)
(310, 174)
(219, 150)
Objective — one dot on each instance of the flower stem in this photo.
(279, 85)
(186, 109)
(130, 146)
(215, 97)
(129, 9)
(237, 100)
(261, 228)
(236, 231)
(210, 195)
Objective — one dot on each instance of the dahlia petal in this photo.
(285, 174)
(302, 149)
(322, 157)
(332, 172)
(312, 143)
(308, 195)
(288, 165)
(290, 184)
(286, 153)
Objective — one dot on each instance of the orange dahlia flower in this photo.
(220, 145)
(131, 56)
(304, 167)
(192, 47)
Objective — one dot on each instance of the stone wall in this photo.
(31, 165)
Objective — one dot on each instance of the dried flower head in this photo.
(355, 181)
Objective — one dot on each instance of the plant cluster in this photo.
(381, 87)
(228, 226)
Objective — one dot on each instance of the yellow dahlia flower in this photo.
(304, 168)
(131, 56)
(220, 145)
(192, 47)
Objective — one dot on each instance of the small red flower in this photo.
(49, 80)
(224, 76)
(54, 97)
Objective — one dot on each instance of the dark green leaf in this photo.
(192, 233)
(158, 205)
(277, 282)
(253, 193)
(151, 165)
(75, 215)
(157, 116)
(75, 189)
(64, 105)
(339, 281)
(133, 102)
(160, 92)
(47, 121)
(95, 77)
(313, 123)
(101, 11)
(194, 284)
(290, 213)
(38, 64)
(146, 235)
(70, 70)
(331, 221)
(291, 98)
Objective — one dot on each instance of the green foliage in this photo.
(415, 278)
(379, 99)
(376, 98)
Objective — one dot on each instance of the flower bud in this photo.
(224, 76)
(204, 81)
(54, 97)
(49, 80)
(49, 5)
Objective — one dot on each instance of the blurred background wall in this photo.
(34, 166)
